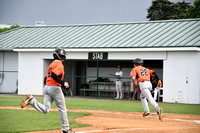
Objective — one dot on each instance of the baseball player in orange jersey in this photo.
(53, 91)
(143, 78)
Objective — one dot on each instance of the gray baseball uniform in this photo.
(119, 84)
(145, 86)
(53, 93)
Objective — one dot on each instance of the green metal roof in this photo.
(171, 33)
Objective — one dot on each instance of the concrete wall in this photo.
(31, 72)
(122, 55)
(181, 77)
(133, 55)
(8, 71)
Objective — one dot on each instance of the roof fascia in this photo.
(6, 49)
(113, 49)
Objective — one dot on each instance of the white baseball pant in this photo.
(145, 87)
(156, 90)
(119, 89)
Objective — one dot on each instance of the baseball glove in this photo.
(159, 84)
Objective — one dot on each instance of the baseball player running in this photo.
(143, 76)
(52, 90)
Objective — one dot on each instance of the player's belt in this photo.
(142, 81)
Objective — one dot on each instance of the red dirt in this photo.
(129, 122)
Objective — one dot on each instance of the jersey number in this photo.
(143, 72)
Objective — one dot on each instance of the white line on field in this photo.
(197, 121)
(122, 129)
(93, 131)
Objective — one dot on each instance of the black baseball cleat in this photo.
(159, 112)
(146, 113)
(69, 131)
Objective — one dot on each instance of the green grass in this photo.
(27, 120)
(130, 106)
(126, 106)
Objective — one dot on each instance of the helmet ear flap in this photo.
(55, 56)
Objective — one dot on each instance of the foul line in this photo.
(93, 131)
(122, 129)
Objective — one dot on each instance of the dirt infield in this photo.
(130, 122)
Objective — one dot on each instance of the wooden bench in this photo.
(160, 95)
(105, 87)
(93, 84)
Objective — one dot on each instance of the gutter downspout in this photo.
(2, 74)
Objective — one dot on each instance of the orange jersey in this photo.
(142, 73)
(57, 67)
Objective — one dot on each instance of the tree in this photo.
(6, 29)
(165, 10)
(194, 11)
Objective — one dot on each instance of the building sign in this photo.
(98, 56)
